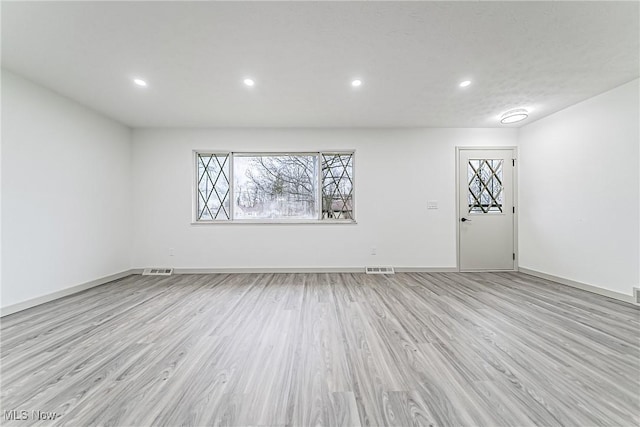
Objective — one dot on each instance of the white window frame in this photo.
(231, 220)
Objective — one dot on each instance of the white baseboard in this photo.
(426, 269)
(305, 270)
(14, 308)
(589, 288)
(268, 270)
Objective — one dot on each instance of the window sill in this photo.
(277, 222)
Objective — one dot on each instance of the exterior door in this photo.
(486, 209)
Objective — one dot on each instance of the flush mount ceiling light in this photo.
(513, 116)
(249, 82)
(356, 83)
(140, 82)
(465, 83)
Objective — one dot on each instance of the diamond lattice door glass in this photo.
(337, 186)
(485, 185)
(213, 187)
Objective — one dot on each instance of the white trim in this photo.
(232, 185)
(14, 308)
(194, 190)
(230, 270)
(262, 221)
(426, 269)
(319, 200)
(354, 209)
(457, 211)
(579, 285)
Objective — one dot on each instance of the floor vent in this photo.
(379, 270)
(636, 295)
(157, 272)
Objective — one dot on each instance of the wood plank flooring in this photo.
(454, 349)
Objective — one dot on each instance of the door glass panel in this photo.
(485, 185)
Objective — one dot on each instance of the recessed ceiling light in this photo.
(140, 82)
(249, 82)
(465, 83)
(513, 116)
(356, 83)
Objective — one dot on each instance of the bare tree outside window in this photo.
(275, 186)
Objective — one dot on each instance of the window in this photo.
(337, 186)
(267, 187)
(275, 186)
(213, 187)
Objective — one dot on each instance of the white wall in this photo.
(66, 175)
(393, 169)
(579, 192)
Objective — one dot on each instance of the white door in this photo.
(486, 209)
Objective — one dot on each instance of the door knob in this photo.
(464, 219)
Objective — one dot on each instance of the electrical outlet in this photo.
(374, 251)
(432, 204)
(172, 252)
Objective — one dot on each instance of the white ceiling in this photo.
(410, 56)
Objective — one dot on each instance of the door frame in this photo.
(514, 150)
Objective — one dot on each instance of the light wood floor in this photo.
(454, 349)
